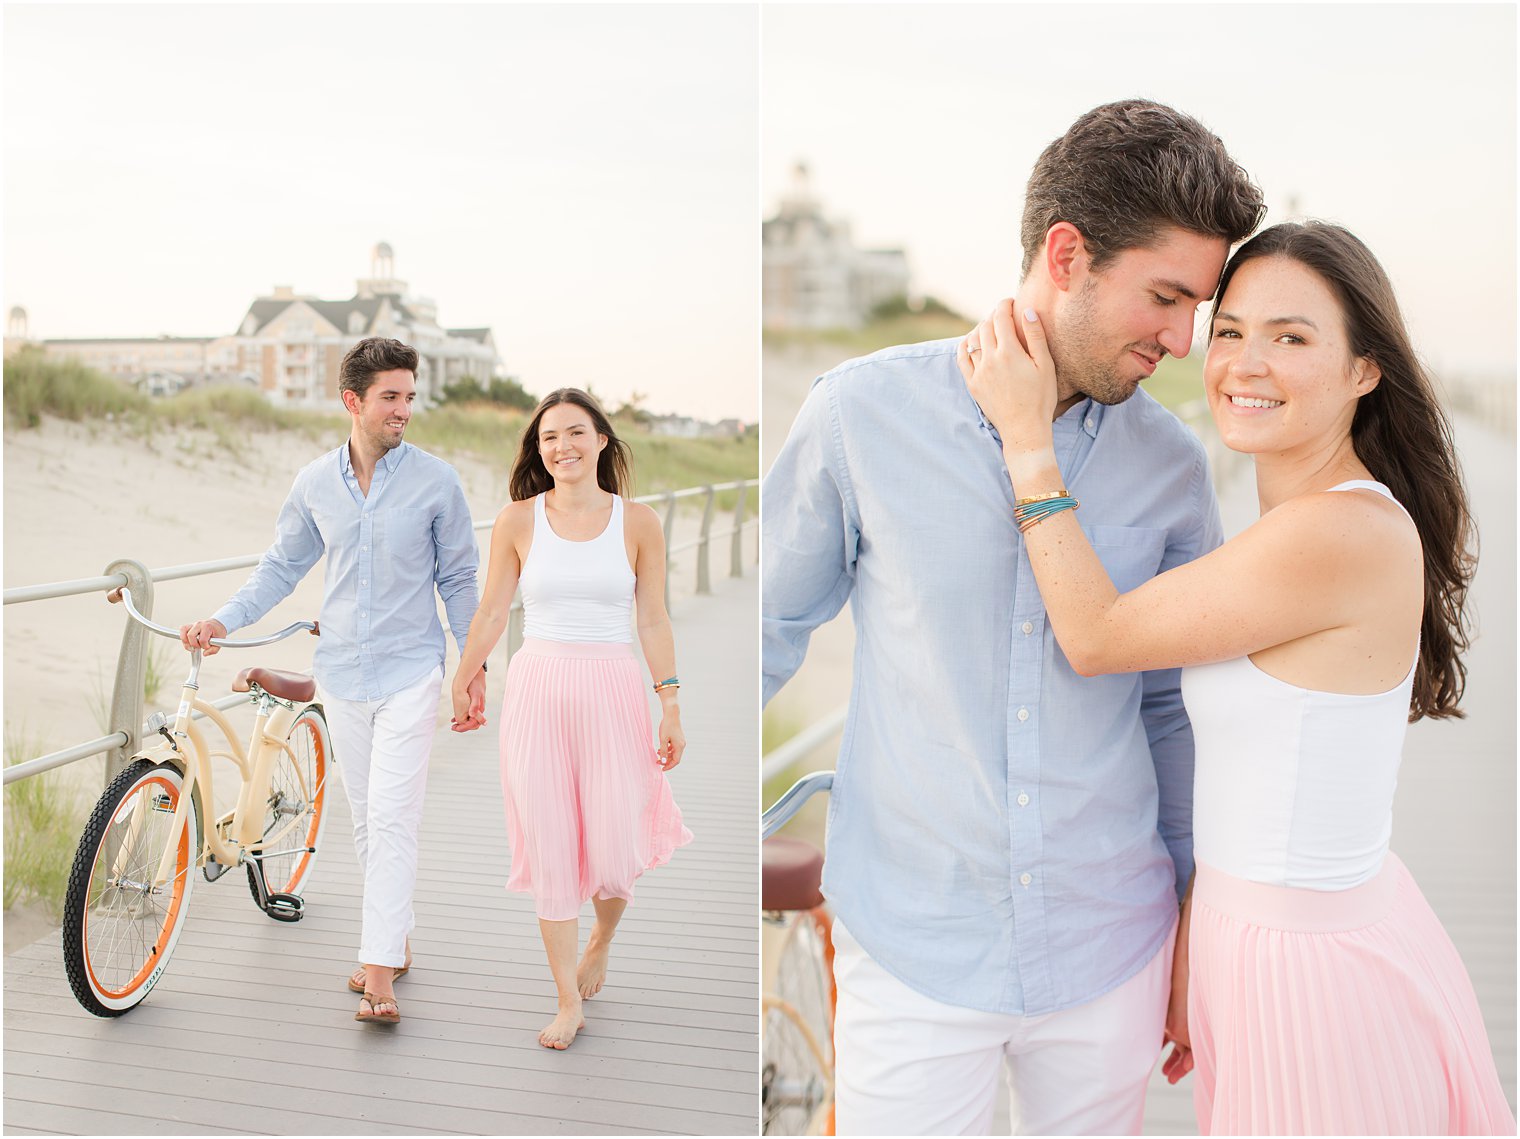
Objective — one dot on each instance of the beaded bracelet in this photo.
(1031, 515)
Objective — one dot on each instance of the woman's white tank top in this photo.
(1292, 786)
(577, 592)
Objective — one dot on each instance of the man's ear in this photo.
(1065, 254)
(350, 399)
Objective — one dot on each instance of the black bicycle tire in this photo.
(77, 892)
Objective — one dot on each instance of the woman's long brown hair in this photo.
(1403, 437)
(614, 466)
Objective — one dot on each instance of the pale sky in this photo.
(582, 179)
(920, 125)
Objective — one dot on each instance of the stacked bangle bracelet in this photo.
(668, 682)
(1030, 512)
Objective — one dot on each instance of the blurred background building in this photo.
(289, 345)
(814, 276)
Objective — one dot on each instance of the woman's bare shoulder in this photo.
(516, 517)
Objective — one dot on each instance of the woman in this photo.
(588, 805)
(1324, 996)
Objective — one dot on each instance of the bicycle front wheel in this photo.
(295, 809)
(119, 927)
(797, 1043)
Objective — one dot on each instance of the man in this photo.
(1008, 841)
(394, 524)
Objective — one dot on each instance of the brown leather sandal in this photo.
(393, 1017)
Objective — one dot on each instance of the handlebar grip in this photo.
(114, 595)
(316, 628)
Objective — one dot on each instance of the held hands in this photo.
(198, 636)
(469, 704)
(1015, 386)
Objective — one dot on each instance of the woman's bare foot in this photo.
(591, 974)
(562, 1029)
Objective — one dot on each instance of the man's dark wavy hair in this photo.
(1125, 171)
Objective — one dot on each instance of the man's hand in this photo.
(1180, 1062)
(198, 636)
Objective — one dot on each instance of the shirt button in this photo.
(1023, 714)
(1028, 627)
(1088, 422)
(1025, 878)
(1023, 800)
(363, 581)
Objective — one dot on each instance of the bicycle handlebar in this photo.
(781, 811)
(124, 595)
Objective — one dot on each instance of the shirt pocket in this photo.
(406, 541)
(1130, 554)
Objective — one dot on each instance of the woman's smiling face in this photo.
(568, 442)
(1280, 372)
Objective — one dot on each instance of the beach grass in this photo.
(43, 821)
(36, 387)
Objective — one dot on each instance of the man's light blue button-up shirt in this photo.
(385, 553)
(1003, 834)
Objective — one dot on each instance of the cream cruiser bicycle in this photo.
(129, 890)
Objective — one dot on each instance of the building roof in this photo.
(480, 334)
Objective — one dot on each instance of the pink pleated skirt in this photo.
(588, 808)
(1342, 1012)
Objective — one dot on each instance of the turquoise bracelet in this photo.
(1032, 514)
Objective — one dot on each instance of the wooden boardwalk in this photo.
(250, 1031)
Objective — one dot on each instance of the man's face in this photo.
(1117, 323)
(381, 416)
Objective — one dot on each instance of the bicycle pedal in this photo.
(285, 907)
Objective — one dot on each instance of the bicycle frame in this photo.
(231, 836)
(237, 834)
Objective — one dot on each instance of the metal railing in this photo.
(126, 720)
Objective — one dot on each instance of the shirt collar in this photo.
(387, 462)
(1086, 414)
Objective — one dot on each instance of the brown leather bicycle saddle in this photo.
(790, 872)
(286, 685)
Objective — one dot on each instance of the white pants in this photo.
(907, 1064)
(383, 748)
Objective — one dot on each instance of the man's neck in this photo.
(1037, 294)
(364, 458)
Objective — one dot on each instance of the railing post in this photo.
(670, 527)
(704, 577)
(127, 696)
(736, 554)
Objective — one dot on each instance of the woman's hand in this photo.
(1015, 386)
(469, 703)
(672, 739)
